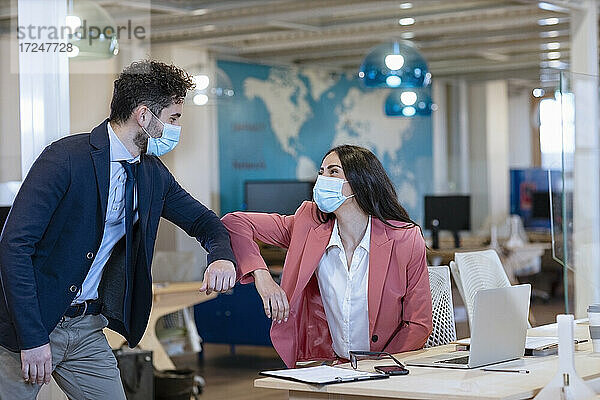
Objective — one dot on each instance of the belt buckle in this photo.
(85, 306)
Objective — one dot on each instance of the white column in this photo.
(586, 190)
(496, 131)
(44, 95)
(519, 132)
(43, 80)
(478, 156)
(440, 138)
(463, 133)
(10, 141)
(489, 153)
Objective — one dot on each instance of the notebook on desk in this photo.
(323, 374)
(498, 330)
(534, 345)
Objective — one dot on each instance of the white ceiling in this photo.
(472, 38)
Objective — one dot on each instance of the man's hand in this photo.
(36, 364)
(219, 277)
(274, 299)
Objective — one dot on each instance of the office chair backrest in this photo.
(456, 275)
(444, 329)
(479, 270)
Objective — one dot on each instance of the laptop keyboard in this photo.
(457, 360)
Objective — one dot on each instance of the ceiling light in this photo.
(202, 81)
(408, 98)
(406, 21)
(83, 16)
(393, 81)
(538, 92)
(548, 21)
(407, 35)
(394, 61)
(394, 64)
(415, 102)
(557, 64)
(200, 99)
(74, 52)
(552, 7)
(73, 22)
(553, 55)
(406, 6)
(409, 111)
(549, 34)
(200, 11)
(550, 46)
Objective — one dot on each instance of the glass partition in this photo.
(574, 197)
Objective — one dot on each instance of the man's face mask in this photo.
(166, 142)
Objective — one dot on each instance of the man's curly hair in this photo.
(151, 83)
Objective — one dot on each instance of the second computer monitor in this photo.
(449, 213)
(282, 197)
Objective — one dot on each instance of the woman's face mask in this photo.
(327, 193)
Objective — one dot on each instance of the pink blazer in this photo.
(399, 296)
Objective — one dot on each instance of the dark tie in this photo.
(131, 170)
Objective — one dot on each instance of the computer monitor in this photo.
(450, 213)
(282, 197)
(540, 204)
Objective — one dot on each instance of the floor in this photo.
(231, 377)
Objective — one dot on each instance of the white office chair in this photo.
(444, 329)
(456, 275)
(477, 270)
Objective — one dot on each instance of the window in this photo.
(557, 116)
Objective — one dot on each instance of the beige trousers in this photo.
(83, 364)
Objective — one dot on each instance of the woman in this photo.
(355, 275)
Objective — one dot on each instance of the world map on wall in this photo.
(282, 121)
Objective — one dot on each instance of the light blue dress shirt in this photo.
(114, 227)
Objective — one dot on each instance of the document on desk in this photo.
(323, 374)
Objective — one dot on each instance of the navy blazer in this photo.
(55, 227)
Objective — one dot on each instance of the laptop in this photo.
(498, 330)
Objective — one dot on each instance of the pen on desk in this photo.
(518, 371)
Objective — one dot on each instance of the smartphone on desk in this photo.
(391, 369)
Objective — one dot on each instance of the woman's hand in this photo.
(274, 299)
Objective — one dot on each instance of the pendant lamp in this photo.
(409, 103)
(395, 64)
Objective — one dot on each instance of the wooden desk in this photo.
(452, 384)
(445, 255)
(167, 298)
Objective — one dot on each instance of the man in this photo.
(76, 250)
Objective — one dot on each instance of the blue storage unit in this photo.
(235, 317)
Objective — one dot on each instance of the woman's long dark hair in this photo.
(373, 189)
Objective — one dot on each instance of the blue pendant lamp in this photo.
(395, 64)
(93, 31)
(409, 103)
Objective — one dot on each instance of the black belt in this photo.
(89, 307)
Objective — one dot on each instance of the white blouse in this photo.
(344, 293)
